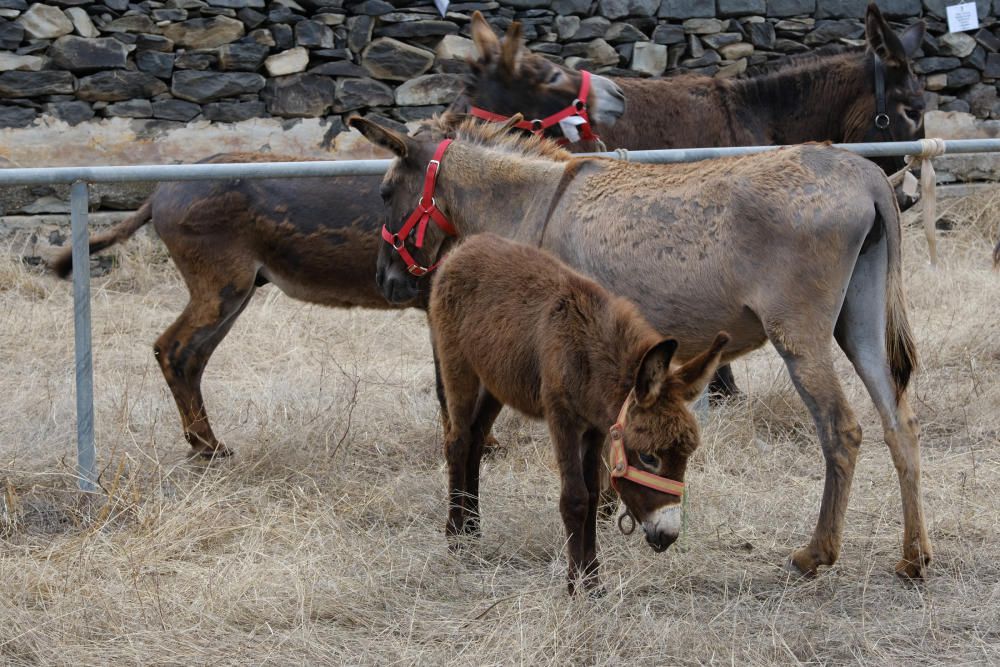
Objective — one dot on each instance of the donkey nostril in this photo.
(660, 541)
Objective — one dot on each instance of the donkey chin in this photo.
(399, 287)
(662, 527)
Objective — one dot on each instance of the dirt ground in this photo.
(322, 540)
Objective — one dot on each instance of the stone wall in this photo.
(114, 81)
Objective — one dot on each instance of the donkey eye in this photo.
(385, 192)
(649, 460)
(556, 75)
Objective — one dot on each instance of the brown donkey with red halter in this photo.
(516, 322)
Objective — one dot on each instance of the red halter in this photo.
(422, 214)
(577, 108)
(621, 468)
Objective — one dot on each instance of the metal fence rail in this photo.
(80, 177)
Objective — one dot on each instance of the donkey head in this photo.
(659, 433)
(508, 78)
(401, 191)
(900, 95)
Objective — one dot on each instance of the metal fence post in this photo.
(85, 452)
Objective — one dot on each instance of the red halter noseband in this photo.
(577, 108)
(421, 216)
(621, 468)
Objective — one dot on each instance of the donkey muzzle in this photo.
(662, 527)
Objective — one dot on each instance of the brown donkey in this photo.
(315, 238)
(796, 246)
(840, 95)
(514, 325)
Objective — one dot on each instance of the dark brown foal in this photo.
(514, 326)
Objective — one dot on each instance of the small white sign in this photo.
(442, 6)
(962, 17)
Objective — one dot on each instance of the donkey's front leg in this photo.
(574, 500)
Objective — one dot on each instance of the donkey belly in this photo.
(316, 239)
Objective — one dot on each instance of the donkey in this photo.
(795, 246)
(847, 96)
(840, 95)
(516, 326)
(315, 238)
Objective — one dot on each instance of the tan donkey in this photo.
(514, 321)
(799, 247)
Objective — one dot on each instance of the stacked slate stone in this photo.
(232, 60)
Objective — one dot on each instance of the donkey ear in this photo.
(485, 39)
(509, 124)
(654, 369)
(695, 374)
(912, 38)
(510, 54)
(882, 40)
(381, 136)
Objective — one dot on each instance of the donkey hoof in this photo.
(471, 528)
(909, 569)
(491, 446)
(802, 564)
(220, 451)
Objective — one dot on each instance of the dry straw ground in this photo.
(321, 541)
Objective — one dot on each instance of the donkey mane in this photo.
(496, 136)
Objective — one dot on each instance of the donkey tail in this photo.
(900, 347)
(63, 262)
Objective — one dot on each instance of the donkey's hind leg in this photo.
(861, 333)
(185, 347)
(462, 387)
(487, 409)
(813, 374)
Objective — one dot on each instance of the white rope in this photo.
(929, 148)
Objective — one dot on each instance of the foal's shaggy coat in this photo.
(534, 334)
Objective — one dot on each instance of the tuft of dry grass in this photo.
(321, 541)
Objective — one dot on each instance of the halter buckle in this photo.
(882, 121)
(416, 270)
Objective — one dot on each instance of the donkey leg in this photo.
(490, 443)
(185, 347)
(861, 334)
(840, 437)
(574, 499)
(486, 411)
(593, 441)
(462, 387)
(723, 384)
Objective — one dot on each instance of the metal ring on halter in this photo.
(397, 242)
(621, 520)
(537, 126)
(420, 204)
(579, 105)
(882, 121)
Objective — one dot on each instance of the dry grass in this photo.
(322, 540)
